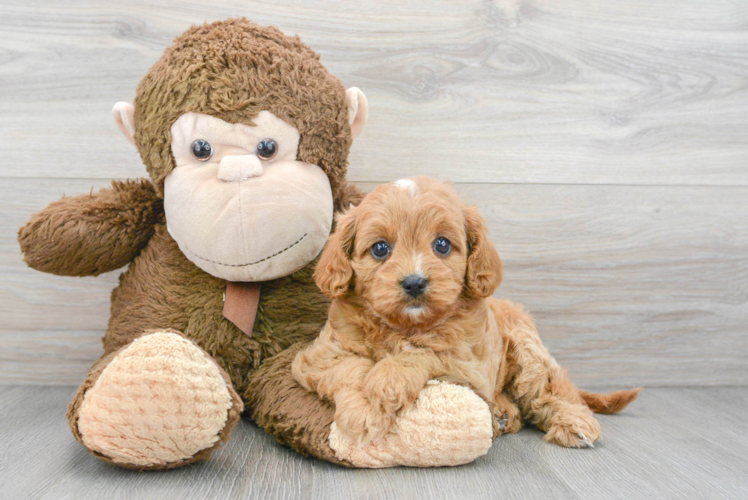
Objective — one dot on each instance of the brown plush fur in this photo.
(232, 70)
(235, 70)
(109, 227)
(381, 346)
(293, 415)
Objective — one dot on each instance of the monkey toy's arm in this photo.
(94, 233)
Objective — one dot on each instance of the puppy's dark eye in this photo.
(380, 249)
(267, 148)
(201, 150)
(442, 246)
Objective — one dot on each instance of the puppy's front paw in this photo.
(359, 420)
(390, 388)
(573, 429)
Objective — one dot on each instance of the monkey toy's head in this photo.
(246, 136)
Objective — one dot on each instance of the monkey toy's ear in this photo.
(124, 116)
(334, 272)
(358, 110)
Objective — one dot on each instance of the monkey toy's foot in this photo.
(447, 425)
(159, 402)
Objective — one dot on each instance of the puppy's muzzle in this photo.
(414, 285)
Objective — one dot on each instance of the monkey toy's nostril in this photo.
(414, 285)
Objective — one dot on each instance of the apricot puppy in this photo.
(411, 271)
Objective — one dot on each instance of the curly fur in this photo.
(381, 346)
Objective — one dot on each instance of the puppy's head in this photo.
(411, 251)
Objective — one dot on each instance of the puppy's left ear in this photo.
(484, 267)
(334, 272)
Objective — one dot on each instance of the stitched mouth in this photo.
(250, 263)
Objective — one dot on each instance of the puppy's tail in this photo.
(609, 403)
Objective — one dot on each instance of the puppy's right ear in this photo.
(334, 272)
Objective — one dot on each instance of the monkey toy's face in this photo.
(239, 204)
(246, 136)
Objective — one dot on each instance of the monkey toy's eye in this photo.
(380, 249)
(442, 246)
(201, 150)
(266, 149)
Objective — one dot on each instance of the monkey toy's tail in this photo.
(609, 403)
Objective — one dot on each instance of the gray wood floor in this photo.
(678, 443)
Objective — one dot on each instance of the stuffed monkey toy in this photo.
(245, 137)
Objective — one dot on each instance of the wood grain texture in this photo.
(585, 92)
(628, 284)
(605, 142)
(671, 443)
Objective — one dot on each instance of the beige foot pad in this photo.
(448, 425)
(160, 400)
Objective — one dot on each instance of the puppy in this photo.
(411, 271)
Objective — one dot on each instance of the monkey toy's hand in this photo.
(94, 233)
(448, 425)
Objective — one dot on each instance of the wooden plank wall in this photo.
(605, 142)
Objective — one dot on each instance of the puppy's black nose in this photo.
(414, 285)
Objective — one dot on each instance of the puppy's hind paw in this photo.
(573, 429)
(503, 422)
(506, 419)
(585, 441)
